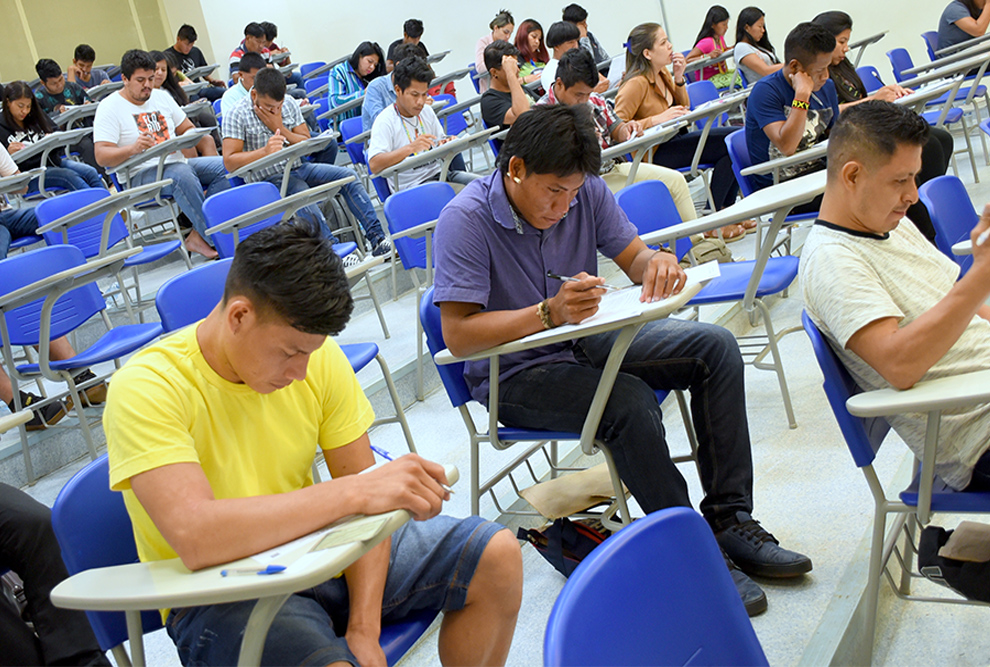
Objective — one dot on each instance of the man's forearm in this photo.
(365, 588)
(235, 160)
(520, 100)
(109, 155)
(791, 132)
(383, 161)
(486, 329)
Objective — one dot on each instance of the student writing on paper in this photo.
(546, 208)
(900, 314)
(211, 434)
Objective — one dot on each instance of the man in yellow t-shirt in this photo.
(211, 435)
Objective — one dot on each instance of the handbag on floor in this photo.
(969, 578)
(565, 543)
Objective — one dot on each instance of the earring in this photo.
(517, 179)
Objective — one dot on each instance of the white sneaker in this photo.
(350, 261)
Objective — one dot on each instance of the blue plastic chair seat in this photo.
(111, 345)
(152, 253)
(945, 498)
(399, 637)
(731, 285)
(954, 116)
(25, 241)
(359, 355)
(961, 96)
(344, 249)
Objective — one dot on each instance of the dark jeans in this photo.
(15, 224)
(667, 354)
(211, 93)
(28, 547)
(679, 151)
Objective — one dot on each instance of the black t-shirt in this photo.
(189, 60)
(494, 104)
(397, 43)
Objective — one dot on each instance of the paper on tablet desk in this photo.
(623, 303)
(352, 529)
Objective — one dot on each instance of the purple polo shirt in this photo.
(485, 255)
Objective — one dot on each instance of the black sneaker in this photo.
(48, 415)
(384, 247)
(758, 553)
(94, 395)
(753, 597)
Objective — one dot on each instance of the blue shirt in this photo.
(380, 94)
(486, 254)
(770, 102)
(949, 34)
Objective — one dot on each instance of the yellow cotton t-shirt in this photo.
(166, 405)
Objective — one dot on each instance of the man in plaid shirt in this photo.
(265, 121)
(576, 79)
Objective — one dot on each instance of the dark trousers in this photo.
(679, 151)
(211, 93)
(668, 354)
(28, 547)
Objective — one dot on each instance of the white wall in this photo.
(321, 30)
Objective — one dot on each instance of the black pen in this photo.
(571, 279)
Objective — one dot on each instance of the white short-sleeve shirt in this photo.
(850, 280)
(119, 121)
(391, 131)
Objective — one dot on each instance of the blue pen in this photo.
(388, 457)
(239, 571)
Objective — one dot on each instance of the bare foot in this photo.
(729, 233)
(196, 243)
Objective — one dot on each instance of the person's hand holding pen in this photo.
(275, 143)
(423, 142)
(577, 299)
(409, 482)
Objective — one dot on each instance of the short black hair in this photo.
(574, 13)
(84, 53)
(412, 69)
(271, 30)
(368, 49)
(250, 61)
(270, 83)
(558, 139)
(560, 32)
(403, 51)
(254, 30)
(48, 69)
(187, 33)
(806, 42)
(291, 271)
(134, 60)
(872, 130)
(835, 22)
(413, 28)
(495, 51)
(577, 66)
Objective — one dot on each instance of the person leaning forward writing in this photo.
(545, 208)
(211, 434)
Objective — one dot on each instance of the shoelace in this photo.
(752, 531)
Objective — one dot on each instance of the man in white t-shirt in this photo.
(410, 127)
(562, 37)
(886, 299)
(139, 117)
(14, 223)
(250, 65)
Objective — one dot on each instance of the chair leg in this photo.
(378, 307)
(128, 306)
(983, 136)
(420, 390)
(778, 365)
(400, 414)
(875, 571)
(620, 496)
(77, 407)
(316, 473)
(692, 436)
(120, 656)
(554, 459)
(907, 556)
(475, 477)
(969, 148)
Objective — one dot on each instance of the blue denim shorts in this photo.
(431, 566)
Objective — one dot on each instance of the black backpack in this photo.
(565, 543)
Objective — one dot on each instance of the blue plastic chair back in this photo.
(322, 106)
(85, 235)
(306, 68)
(473, 75)
(94, 530)
(870, 77)
(691, 77)
(231, 203)
(863, 436)
(701, 92)
(739, 156)
(452, 375)
(412, 207)
(454, 123)
(931, 42)
(189, 297)
(661, 589)
(315, 82)
(900, 60)
(649, 206)
(953, 216)
(350, 128)
(70, 311)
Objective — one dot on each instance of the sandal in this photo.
(750, 225)
(730, 233)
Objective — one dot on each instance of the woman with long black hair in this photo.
(753, 53)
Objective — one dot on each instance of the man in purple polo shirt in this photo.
(546, 209)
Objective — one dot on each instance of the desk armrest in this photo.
(17, 182)
(415, 231)
(112, 204)
(84, 273)
(948, 393)
(159, 151)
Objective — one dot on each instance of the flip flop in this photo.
(730, 233)
(750, 225)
